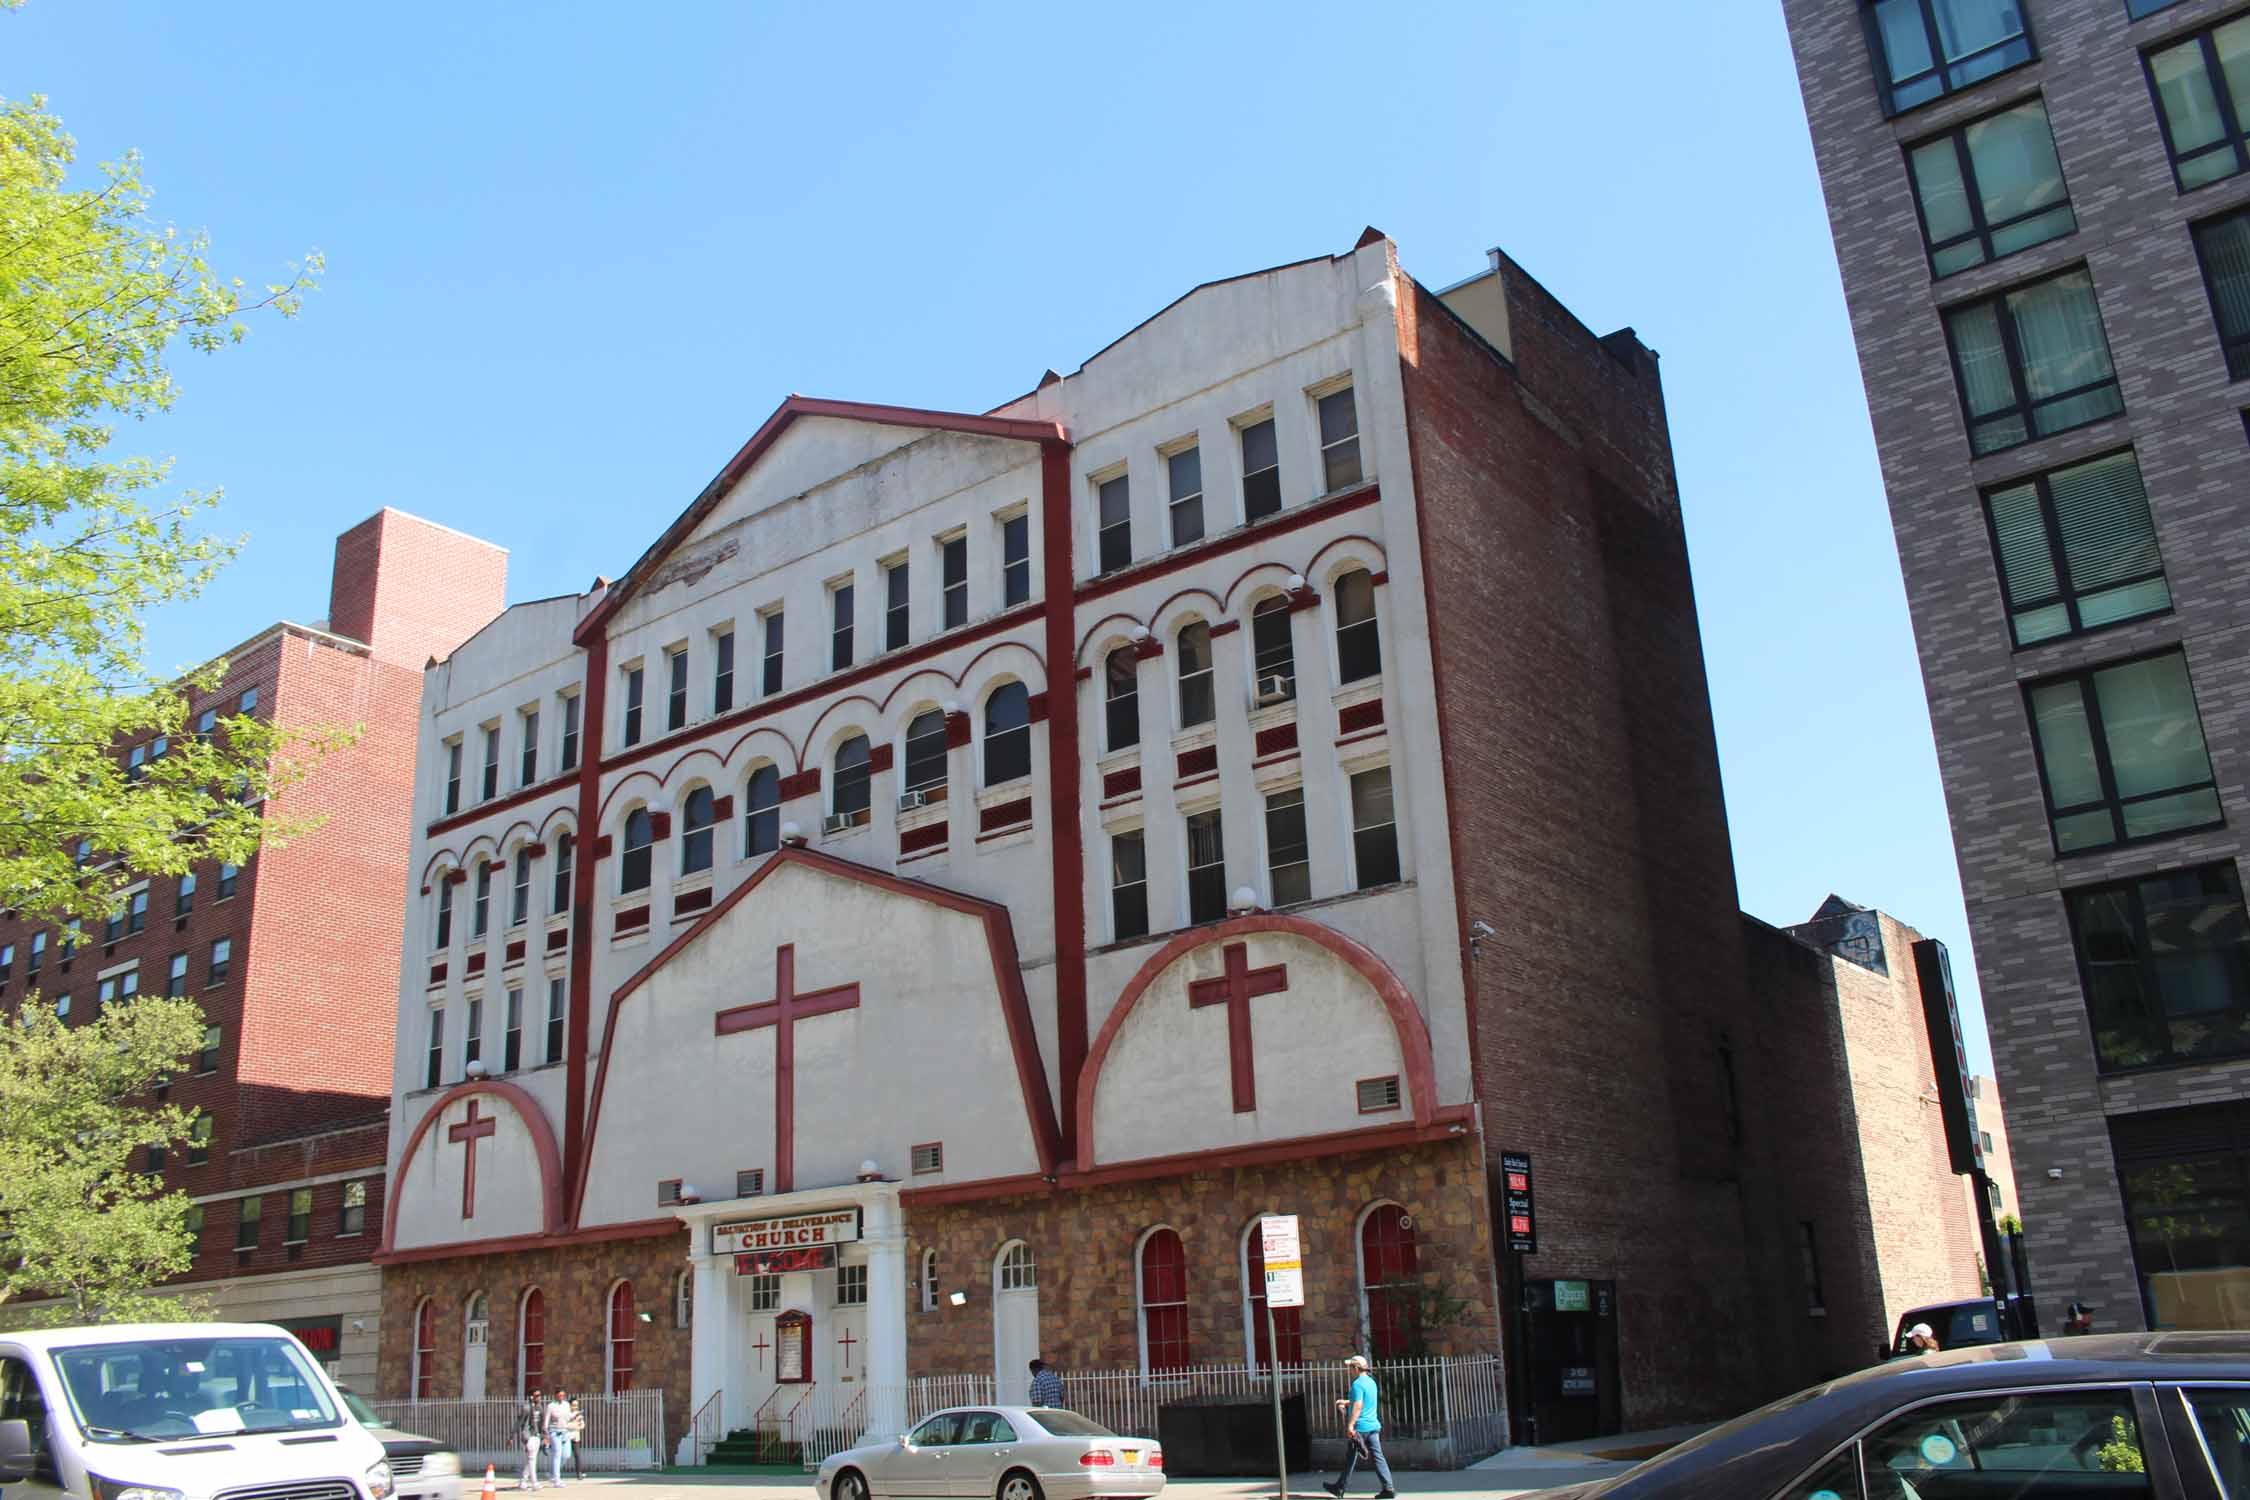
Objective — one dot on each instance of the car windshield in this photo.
(1066, 1423)
(157, 1390)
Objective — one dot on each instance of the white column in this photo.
(711, 1366)
(886, 1319)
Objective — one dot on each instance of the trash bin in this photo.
(1206, 1436)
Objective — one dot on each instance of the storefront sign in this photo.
(1515, 1199)
(322, 1337)
(1284, 1260)
(796, 1232)
(782, 1262)
(1573, 1296)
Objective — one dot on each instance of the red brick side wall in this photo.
(350, 1150)
(413, 590)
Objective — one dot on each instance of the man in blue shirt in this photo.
(1046, 1385)
(1363, 1430)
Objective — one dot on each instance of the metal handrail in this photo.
(706, 1420)
(788, 1421)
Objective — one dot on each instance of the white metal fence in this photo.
(625, 1431)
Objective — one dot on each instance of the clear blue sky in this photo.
(577, 253)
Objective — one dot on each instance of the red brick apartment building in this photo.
(291, 954)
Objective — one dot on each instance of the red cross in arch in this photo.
(782, 1013)
(468, 1133)
(761, 1346)
(1234, 992)
(845, 1338)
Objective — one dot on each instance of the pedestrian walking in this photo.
(1363, 1431)
(557, 1422)
(1046, 1386)
(531, 1425)
(577, 1441)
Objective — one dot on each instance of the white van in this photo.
(177, 1411)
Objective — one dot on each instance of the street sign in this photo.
(1284, 1260)
(1515, 1201)
(1573, 1296)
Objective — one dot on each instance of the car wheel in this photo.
(850, 1486)
(1016, 1484)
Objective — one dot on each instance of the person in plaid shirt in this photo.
(1046, 1385)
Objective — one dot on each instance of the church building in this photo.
(973, 865)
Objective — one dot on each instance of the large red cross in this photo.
(1234, 991)
(782, 1013)
(761, 1346)
(468, 1133)
(845, 1338)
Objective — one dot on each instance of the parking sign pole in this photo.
(1273, 1373)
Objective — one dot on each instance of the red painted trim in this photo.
(722, 808)
(1360, 716)
(1278, 740)
(514, 799)
(597, 619)
(1233, 541)
(513, 954)
(1360, 739)
(594, 701)
(1023, 1186)
(1058, 517)
(1406, 1018)
(437, 974)
(802, 784)
(957, 731)
(604, 846)
(474, 966)
(1225, 627)
(659, 826)
(456, 876)
(1197, 762)
(558, 939)
(632, 919)
(1235, 990)
(1000, 942)
(930, 836)
(1035, 707)
(641, 1230)
(1122, 783)
(690, 901)
(879, 758)
(542, 1142)
(1450, 1123)
(1379, 577)
(1006, 815)
(1193, 781)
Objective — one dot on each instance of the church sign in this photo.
(782, 1262)
(838, 1226)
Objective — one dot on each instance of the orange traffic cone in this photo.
(491, 1490)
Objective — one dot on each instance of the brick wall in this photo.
(412, 589)
(356, 1150)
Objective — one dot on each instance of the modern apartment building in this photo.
(290, 954)
(2042, 211)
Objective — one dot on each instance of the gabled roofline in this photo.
(1016, 428)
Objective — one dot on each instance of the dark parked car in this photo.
(1978, 1320)
(2135, 1416)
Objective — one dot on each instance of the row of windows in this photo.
(139, 757)
(529, 722)
(515, 1047)
(124, 984)
(562, 868)
(1927, 49)
(131, 920)
(621, 1332)
(249, 1215)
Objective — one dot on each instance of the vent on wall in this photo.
(930, 1157)
(668, 1193)
(1378, 1094)
(750, 1182)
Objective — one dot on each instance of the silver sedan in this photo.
(1003, 1452)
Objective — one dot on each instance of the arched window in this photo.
(640, 832)
(1194, 656)
(696, 818)
(1007, 734)
(761, 816)
(444, 938)
(421, 1379)
(1019, 1272)
(1285, 1319)
(1273, 654)
(1388, 1278)
(850, 793)
(1121, 680)
(624, 1323)
(1164, 1325)
(566, 867)
(531, 1342)
(478, 1318)
(929, 1281)
(925, 752)
(1359, 647)
(683, 1301)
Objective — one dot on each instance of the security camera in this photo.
(1480, 928)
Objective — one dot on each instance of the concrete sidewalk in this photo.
(1528, 1471)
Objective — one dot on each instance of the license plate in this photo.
(1131, 1455)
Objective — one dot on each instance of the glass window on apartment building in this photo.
(2202, 83)
(2165, 962)
(2121, 753)
(2186, 1179)
(2077, 549)
(1990, 188)
(2223, 247)
(2032, 361)
(1926, 49)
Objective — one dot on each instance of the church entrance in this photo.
(475, 1346)
(1015, 1321)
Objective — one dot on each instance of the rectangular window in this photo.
(1288, 856)
(557, 994)
(433, 1069)
(1113, 526)
(1206, 867)
(1990, 188)
(1926, 49)
(472, 1040)
(1015, 560)
(37, 956)
(1339, 440)
(206, 722)
(851, 1286)
(246, 1223)
(7, 961)
(452, 776)
(2223, 246)
(444, 938)
(480, 911)
(527, 767)
(207, 1056)
(299, 1227)
(489, 784)
(249, 703)
(1809, 1250)
(566, 757)
(1128, 886)
(175, 982)
(183, 899)
(2165, 963)
(897, 606)
(765, 1293)
(222, 955)
(633, 686)
(1374, 829)
(675, 689)
(199, 1141)
(1183, 472)
(2135, 9)
(566, 858)
(2032, 361)
(157, 1157)
(519, 896)
(2121, 753)
(1261, 471)
(227, 874)
(2198, 103)
(351, 1216)
(2077, 549)
(136, 911)
(840, 626)
(928, 1157)
(511, 1041)
(770, 668)
(750, 1182)
(953, 577)
(722, 672)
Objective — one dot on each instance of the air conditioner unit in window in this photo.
(1276, 689)
(835, 822)
(908, 801)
